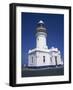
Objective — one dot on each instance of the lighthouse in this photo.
(41, 55)
(41, 35)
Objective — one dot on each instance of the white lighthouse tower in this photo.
(41, 55)
(41, 36)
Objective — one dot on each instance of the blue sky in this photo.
(54, 24)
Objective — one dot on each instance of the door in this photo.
(56, 60)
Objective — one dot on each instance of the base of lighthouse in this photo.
(44, 57)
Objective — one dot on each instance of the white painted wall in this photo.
(41, 40)
(38, 58)
(30, 61)
(59, 60)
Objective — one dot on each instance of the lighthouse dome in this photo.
(41, 22)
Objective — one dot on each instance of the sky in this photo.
(54, 24)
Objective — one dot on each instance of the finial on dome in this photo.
(41, 22)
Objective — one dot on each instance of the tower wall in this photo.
(41, 40)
